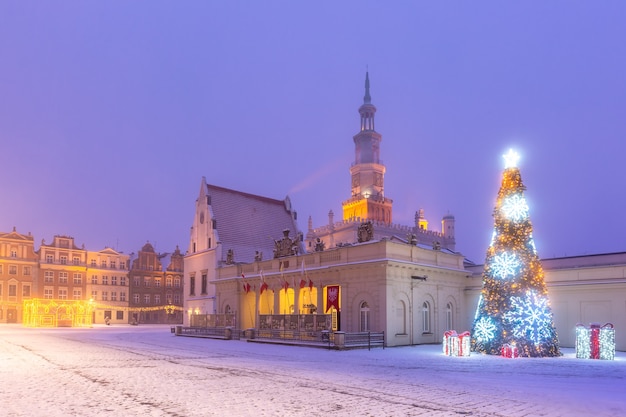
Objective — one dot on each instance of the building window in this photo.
(113, 265)
(105, 280)
(401, 317)
(105, 296)
(176, 298)
(157, 282)
(78, 278)
(62, 277)
(76, 260)
(63, 260)
(94, 279)
(364, 324)
(192, 285)
(78, 295)
(27, 270)
(114, 280)
(26, 291)
(12, 269)
(449, 315)
(168, 298)
(123, 281)
(94, 295)
(113, 296)
(62, 293)
(426, 317)
(136, 298)
(93, 263)
(177, 282)
(146, 298)
(204, 284)
(13, 253)
(49, 259)
(122, 295)
(157, 299)
(0, 269)
(122, 265)
(136, 281)
(119, 315)
(48, 277)
(168, 282)
(146, 281)
(47, 293)
(103, 264)
(12, 290)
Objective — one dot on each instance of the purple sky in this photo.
(111, 112)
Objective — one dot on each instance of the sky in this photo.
(147, 371)
(112, 112)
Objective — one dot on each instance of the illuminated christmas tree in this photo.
(513, 307)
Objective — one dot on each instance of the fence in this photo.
(226, 333)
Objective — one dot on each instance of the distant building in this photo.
(18, 274)
(231, 227)
(155, 294)
(368, 213)
(62, 269)
(108, 286)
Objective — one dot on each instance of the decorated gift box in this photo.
(595, 341)
(509, 350)
(456, 344)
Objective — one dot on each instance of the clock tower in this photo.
(368, 201)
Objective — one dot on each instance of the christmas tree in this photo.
(513, 307)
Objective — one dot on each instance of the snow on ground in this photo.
(147, 371)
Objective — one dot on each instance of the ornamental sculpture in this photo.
(365, 232)
(286, 246)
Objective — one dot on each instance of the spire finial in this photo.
(367, 99)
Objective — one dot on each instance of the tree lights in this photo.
(513, 309)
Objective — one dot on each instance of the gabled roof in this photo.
(15, 235)
(247, 223)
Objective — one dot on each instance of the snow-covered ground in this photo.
(147, 371)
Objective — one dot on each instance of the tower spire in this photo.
(367, 99)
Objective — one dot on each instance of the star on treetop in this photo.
(511, 159)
